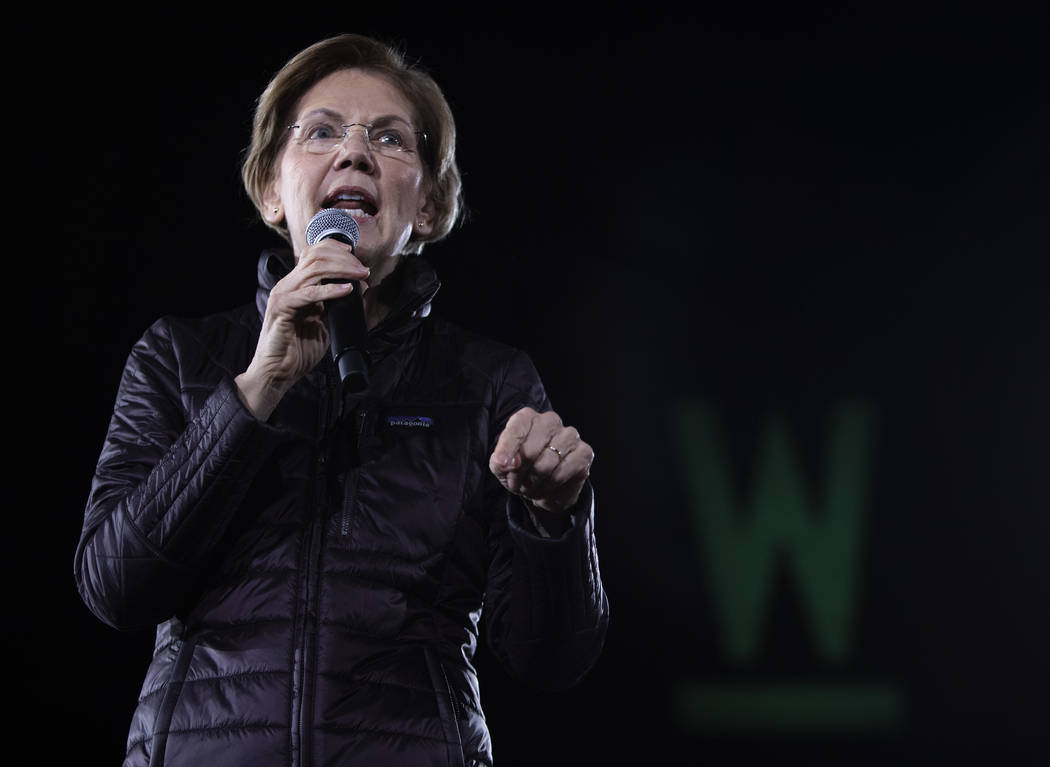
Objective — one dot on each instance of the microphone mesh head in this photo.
(332, 222)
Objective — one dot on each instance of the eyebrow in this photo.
(382, 119)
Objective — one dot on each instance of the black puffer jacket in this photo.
(317, 581)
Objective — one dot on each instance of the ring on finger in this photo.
(557, 452)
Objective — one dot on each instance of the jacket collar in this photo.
(415, 283)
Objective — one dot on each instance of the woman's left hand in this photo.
(542, 460)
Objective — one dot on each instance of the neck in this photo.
(383, 289)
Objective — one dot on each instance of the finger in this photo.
(512, 480)
(533, 448)
(310, 287)
(505, 456)
(310, 297)
(575, 466)
(325, 270)
(328, 291)
(547, 474)
(328, 248)
(561, 488)
(560, 445)
(329, 260)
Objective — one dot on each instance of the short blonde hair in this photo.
(275, 107)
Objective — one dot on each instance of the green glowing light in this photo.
(789, 708)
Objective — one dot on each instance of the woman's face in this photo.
(384, 191)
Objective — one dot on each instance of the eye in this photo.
(389, 137)
(319, 131)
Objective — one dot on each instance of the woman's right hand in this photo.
(294, 333)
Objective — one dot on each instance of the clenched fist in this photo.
(542, 460)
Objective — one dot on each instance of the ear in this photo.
(273, 210)
(424, 223)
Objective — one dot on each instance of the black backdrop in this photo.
(766, 210)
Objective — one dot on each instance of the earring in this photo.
(276, 209)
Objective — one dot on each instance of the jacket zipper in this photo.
(351, 491)
(306, 612)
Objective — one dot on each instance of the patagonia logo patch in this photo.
(410, 421)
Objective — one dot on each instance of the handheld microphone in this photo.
(346, 316)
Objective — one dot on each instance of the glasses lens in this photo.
(392, 139)
(321, 135)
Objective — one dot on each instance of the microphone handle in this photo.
(346, 331)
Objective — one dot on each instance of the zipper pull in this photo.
(362, 419)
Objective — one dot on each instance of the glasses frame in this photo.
(305, 142)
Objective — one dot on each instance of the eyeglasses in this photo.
(391, 136)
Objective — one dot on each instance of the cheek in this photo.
(298, 191)
(304, 191)
(410, 185)
(297, 181)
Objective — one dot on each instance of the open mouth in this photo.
(357, 203)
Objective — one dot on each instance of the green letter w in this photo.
(742, 550)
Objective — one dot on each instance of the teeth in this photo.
(363, 209)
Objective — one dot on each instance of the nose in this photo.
(356, 150)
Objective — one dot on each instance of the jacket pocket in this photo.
(406, 496)
(447, 709)
(172, 689)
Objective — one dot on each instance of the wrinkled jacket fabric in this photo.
(316, 582)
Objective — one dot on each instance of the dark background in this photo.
(766, 209)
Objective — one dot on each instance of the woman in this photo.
(316, 559)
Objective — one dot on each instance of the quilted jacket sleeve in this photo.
(545, 605)
(167, 483)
